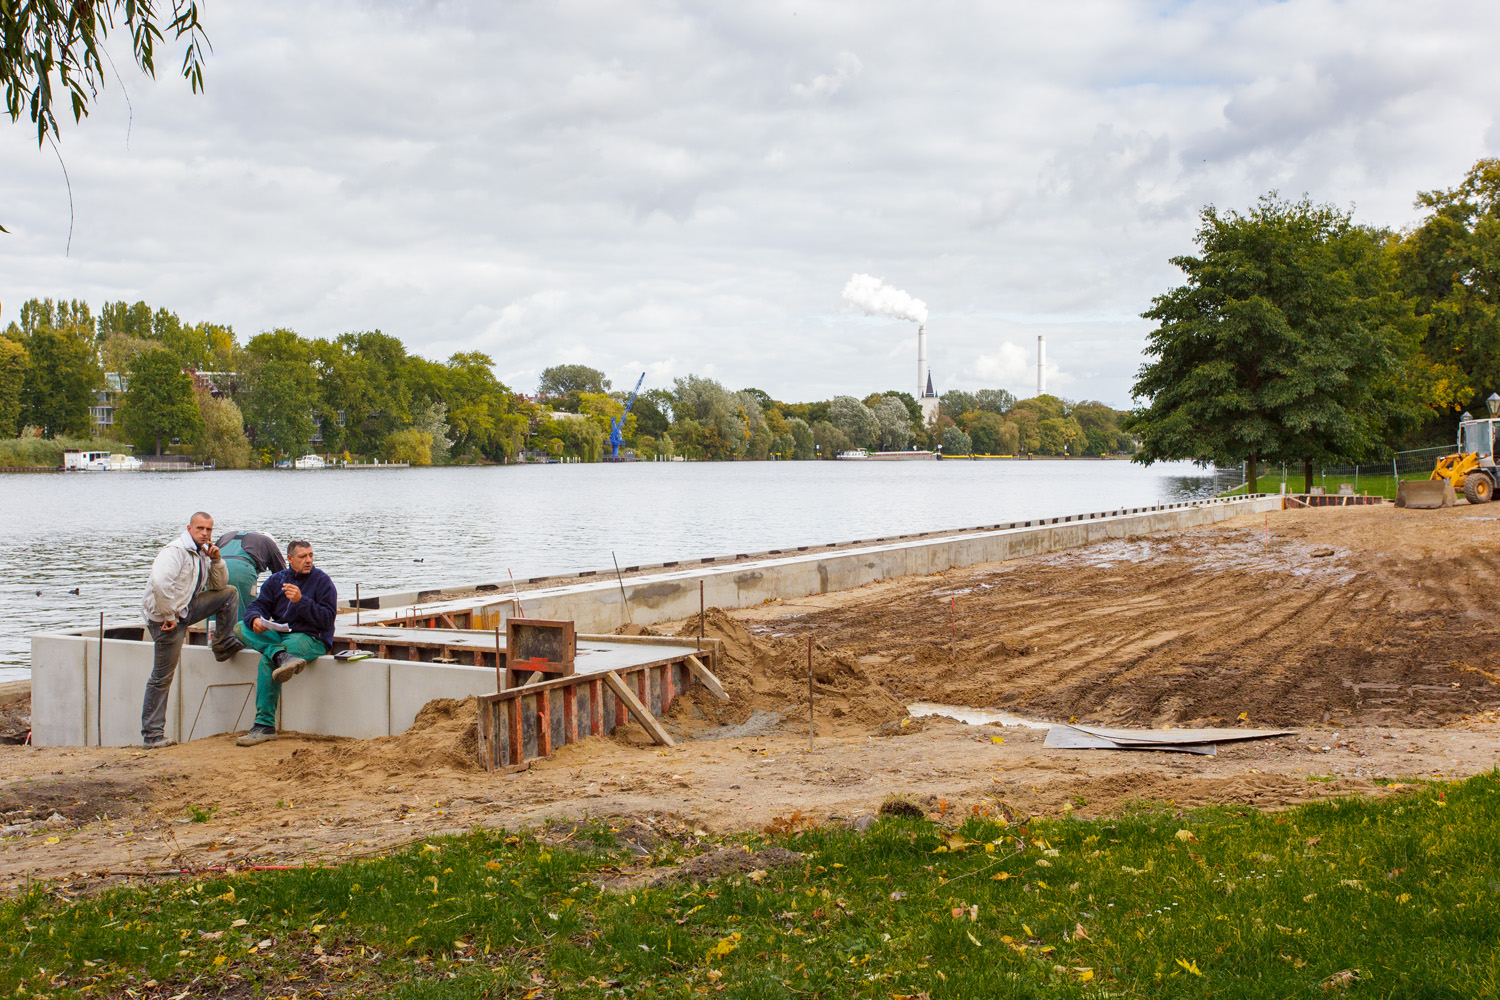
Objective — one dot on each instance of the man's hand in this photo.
(169, 624)
(292, 591)
(258, 625)
(213, 551)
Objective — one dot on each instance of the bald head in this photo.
(201, 529)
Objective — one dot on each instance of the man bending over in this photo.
(290, 623)
(188, 583)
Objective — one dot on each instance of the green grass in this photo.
(1215, 903)
(1376, 485)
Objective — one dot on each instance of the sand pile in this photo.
(771, 675)
(443, 737)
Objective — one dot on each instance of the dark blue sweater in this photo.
(313, 615)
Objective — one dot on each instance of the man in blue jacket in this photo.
(290, 623)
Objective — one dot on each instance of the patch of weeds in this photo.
(202, 814)
(900, 805)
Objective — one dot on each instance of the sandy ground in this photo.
(1368, 630)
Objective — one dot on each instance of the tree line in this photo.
(279, 395)
(1304, 337)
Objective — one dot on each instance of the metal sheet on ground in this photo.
(1069, 738)
(1182, 735)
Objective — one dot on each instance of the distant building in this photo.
(107, 400)
(929, 403)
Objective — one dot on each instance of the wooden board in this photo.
(623, 694)
(1181, 735)
(1070, 738)
(708, 679)
(540, 644)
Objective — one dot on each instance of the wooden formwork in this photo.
(533, 720)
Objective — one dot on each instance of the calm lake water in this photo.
(98, 532)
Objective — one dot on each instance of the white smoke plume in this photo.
(877, 298)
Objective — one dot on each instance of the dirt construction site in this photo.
(1370, 632)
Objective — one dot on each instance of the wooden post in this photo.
(596, 708)
(99, 701)
(809, 694)
(621, 581)
(668, 688)
(698, 670)
(700, 616)
(356, 604)
(499, 663)
(624, 696)
(643, 687)
(622, 715)
(517, 741)
(570, 715)
(952, 628)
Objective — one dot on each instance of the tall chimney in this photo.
(921, 360)
(1041, 365)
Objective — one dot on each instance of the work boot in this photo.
(158, 742)
(224, 648)
(287, 667)
(257, 734)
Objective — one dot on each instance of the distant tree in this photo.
(279, 402)
(956, 442)
(802, 439)
(955, 402)
(13, 362)
(1286, 343)
(649, 417)
(855, 419)
(828, 440)
(765, 401)
(409, 445)
(913, 408)
(161, 404)
(994, 401)
(60, 377)
(987, 433)
(432, 420)
(559, 380)
(222, 442)
(894, 424)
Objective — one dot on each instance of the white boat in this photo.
(85, 461)
(853, 453)
(310, 462)
(125, 463)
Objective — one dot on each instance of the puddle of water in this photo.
(973, 716)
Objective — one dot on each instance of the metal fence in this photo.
(1377, 477)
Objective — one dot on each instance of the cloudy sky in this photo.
(681, 188)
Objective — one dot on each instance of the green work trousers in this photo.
(268, 644)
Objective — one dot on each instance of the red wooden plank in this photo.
(596, 708)
(570, 715)
(513, 718)
(643, 688)
(668, 689)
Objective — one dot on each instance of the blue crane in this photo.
(617, 425)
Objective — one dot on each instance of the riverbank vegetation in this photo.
(1349, 897)
(144, 376)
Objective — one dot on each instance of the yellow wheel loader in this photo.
(1471, 470)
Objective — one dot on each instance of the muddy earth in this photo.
(1369, 631)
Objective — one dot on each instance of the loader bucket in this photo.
(1425, 494)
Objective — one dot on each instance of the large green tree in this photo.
(13, 363)
(160, 404)
(1286, 343)
(278, 406)
(61, 374)
(560, 380)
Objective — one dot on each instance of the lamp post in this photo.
(1494, 404)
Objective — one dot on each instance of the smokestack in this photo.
(1041, 365)
(921, 360)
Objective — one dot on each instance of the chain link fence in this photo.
(1377, 477)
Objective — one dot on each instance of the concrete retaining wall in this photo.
(362, 699)
(596, 605)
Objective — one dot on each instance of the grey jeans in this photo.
(224, 607)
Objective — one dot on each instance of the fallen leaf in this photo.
(1244, 716)
(757, 875)
(1186, 836)
(240, 922)
(997, 739)
(971, 937)
(1079, 934)
(1340, 980)
(1189, 966)
(54, 840)
(1313, 841)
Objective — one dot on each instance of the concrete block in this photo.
(413, 685)
(216, 697)
(127, 667)
(58, 692)
(339, 699)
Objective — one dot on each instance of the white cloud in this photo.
(694, 185)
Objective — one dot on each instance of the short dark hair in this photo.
(293, 546)
(203, 514)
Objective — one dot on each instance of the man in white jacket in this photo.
(189, 582)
